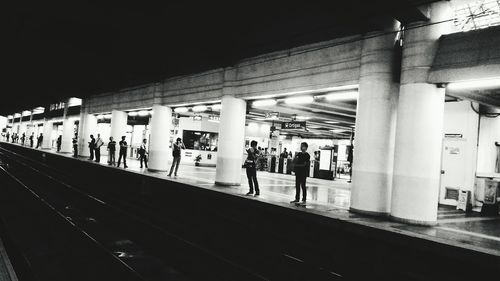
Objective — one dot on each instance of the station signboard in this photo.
(294, 125)
(272, 115)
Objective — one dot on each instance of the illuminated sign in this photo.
(272, 115)
(293, 125)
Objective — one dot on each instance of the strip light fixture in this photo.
(299, 100)
(474, 84)
(264, 103)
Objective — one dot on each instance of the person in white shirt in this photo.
(143, 153)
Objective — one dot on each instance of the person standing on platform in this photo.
(111, 151)
(59, 142)
(23, 138)
(75, 146)
(123, 153)
(39, 140)
(32, 138)
(98, 144)
(301, 165)
(250, 164)
(176, 153)
(7, 137)
(91, 147)
(143, 153)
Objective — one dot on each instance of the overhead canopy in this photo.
(468, 55)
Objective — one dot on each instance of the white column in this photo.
(231, 141)
(88, 125)
(47, 134)
(67, 135)
(118, 124)
(375, 125)
(161, 123)
(419, 130)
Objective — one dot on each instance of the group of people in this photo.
(143, 152)
(15, 138)
(300, 164)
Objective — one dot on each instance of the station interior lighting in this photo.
(132, 113)
(143, 113)
(474, 84)
(17, 115)
(10, 116)
(181, 109)
(332, 122)
(199, 108)
(299, 100)
(302, 117)
(39, 110)
(216, 106)
(100, 116)
(26, 113)
(338, 130)
(74, 102)
(350, 95)
(107, 116)
(264, 103)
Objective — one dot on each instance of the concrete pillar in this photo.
(118, 124)
(231, 141)
(67, 135)
(419, 130)
(375, 124)
(47, 134)
(161, 123)
(88, 126)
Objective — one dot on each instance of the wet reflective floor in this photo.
(331, 199)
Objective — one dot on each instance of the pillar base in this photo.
(227, 183)
(368, 213)
(414, 222)
(156, 170)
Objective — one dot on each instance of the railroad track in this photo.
(200, 246)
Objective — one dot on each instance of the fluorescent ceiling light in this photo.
(74, 102)
(338, 130)
(351, 95)
(107, 116)
(10, 117)
(26, 113)
(299, 100)
(302, 117)
(100, 116)
(39, 110)
(262, 103)
(474, 84)
(332, 122)
(216, 106)
(132, 113)
(181, 109)
(143, 113)
(259, 119)
(199, 108)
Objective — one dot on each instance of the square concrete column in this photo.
(231, 142)
(118, 124)
(161, 123)
(419, 130)
(375, 124)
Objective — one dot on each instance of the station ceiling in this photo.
(57, 49)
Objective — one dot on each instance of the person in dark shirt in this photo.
(59, 142)
(32, 138)
(176, 153)
(23, 138)
(91, 147)
(39, 141)
(75, 146)
(111, 151)
(250, 164)
(123, 152)
(301, 165)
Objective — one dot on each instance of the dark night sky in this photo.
(56, 49)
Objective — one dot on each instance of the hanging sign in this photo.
(272, 115)
(293, 125)
(214, 118)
